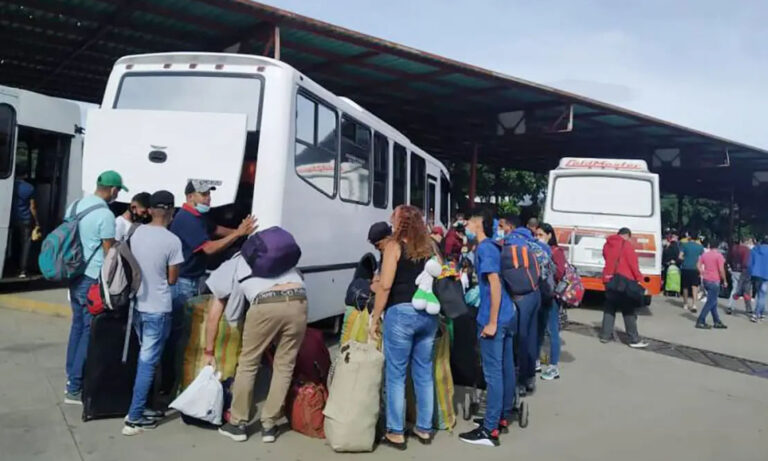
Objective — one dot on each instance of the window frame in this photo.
(387, 145)
(10, 167)
(423, 205)
(370, 159)
(405, 188)
(445, 183)
(303, 92)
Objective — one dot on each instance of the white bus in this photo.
(589, 199)
(281, 146)
(40, 139)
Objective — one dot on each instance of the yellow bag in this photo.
(355, 326)
(226, 349)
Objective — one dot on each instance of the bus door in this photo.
(8, 105)
(432, 200)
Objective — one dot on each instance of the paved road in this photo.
(611, 403)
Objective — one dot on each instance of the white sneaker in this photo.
(538, 366)
(640, 344)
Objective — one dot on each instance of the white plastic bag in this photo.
(203, 398)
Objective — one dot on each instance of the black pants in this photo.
(22, 243)
(618, 302)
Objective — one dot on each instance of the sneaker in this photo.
(269, 435)
(703, 326)
(538, 366)
(22, 275)
(753, 319)
(552, 372)
(74, 398)
(639, 344)
(530, 386)
(481, 436)
(234, 432)
(604, 340)
(153, 414)
(720, 326)
(693, 309)
(503, 424)
(137, 427)
(729, 311)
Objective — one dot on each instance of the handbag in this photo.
(632, 290)
(451, 296)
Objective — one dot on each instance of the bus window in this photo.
(354, 180)
(418, 181)
(316, 144)
(7, 121)
(445, 208)
(399, 173)
(380, 170)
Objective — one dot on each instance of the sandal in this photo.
(401, 446)
(423, 440)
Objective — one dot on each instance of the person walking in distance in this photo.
(758, 268)
(158, 253)
(409, 334)
(738, 261)
(96, 231)
(690, 252)
(712, 269)
(620, 259)
(496, 324)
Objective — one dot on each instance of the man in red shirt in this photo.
(712, 269)
(738, 261)
(454, 241)
(620, 259)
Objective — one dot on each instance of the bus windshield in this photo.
(189, 92)
(603, 195)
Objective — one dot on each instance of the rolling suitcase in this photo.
(107, 381)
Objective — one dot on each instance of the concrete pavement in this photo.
(611, 403)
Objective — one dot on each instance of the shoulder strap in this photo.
(73, 211)
(130, 232)
(82, 214)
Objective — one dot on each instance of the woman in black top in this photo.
(409, 334)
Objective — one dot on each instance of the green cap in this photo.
(111, 179)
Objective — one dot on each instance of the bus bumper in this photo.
(652, 284)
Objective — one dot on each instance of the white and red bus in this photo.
(589, 199)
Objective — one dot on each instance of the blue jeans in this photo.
(498, 355)
(713, 290)
(184, 289)
(762, 290)
(549, 320)
(409, 338)
(79, 333)
(153, 329)
(528, 343)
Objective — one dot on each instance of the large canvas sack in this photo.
(352, 410)
(61, 253)
(107, 380)
(271, 252)
(226, 349)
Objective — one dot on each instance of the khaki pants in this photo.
(283, 323)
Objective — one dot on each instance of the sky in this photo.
(698, 63)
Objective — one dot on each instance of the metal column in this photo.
(473, 178)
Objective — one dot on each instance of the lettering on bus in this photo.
(592, 164)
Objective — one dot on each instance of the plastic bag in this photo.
(204, 398)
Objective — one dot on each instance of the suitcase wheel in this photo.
(523, 415)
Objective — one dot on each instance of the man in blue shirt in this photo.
(528, 309)
(97, 234)
(496, 326)
(200, 237)
(23, 219)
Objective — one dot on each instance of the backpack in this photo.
(547, 277)
(120, 276)
(271, 252)
(304, 408)
(570, 290)
(519, 268)
(61, 253)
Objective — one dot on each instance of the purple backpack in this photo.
(271, 252)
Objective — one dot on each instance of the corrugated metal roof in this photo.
(67, 48)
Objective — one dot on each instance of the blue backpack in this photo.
(547, 276)
(519, 267)
(61, 253)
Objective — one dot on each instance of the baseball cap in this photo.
(162, 199)
(111, 178)
(378, 232)
(200, 185)
(438, 230)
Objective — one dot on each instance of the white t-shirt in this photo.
(121, 228)
(155, 248)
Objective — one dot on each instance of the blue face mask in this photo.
(202, 208)
(470, 235)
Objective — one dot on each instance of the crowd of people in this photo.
(710, 269)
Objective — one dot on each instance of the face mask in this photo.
(470, 235)
(500, 234)
(202, 208)
(543, 240)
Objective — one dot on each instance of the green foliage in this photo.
(505, 185)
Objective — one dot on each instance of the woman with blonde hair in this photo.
(409, 334)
